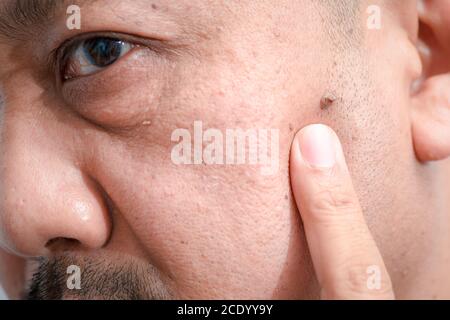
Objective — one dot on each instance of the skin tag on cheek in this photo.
(327, 100)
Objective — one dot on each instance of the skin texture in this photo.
(90, 160)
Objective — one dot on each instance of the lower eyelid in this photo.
(109, 81)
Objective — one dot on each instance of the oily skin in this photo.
(106, 180)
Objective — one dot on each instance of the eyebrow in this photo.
(21, 19)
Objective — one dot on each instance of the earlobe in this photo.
(431, 99)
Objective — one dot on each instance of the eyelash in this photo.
(59, 57)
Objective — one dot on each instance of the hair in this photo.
(342, 19)
(115, 277)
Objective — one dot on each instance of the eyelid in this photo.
(150, 43)
(59, 55)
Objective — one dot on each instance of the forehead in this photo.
(188, 6)
(26, 17)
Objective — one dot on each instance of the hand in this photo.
(346, 260)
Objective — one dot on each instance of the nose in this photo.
(44, 195)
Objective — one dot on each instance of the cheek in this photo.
(372, 120)
(218, 230)
(205, 225)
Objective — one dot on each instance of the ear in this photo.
(431, 96)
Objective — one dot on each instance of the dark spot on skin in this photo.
(276, 33)
(327, 100)
(154, 6)
(291, 128)
(286, 197)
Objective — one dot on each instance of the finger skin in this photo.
(12, 274)
(347, 262)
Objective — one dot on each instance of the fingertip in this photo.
(317, 146)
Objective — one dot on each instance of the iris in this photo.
(102, 52)
(92, 55)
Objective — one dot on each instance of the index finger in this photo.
(346, 259)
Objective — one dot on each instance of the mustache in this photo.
(100, 278)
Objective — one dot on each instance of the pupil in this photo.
(102, 52)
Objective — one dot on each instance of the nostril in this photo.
(62, 244)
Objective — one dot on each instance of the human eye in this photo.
(85, 57)
(97, 75)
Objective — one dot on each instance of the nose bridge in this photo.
(44, 195)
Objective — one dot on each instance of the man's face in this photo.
(87, 172)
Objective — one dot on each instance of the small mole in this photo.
(154, 6)
(327, 100)
(291, 127)
(286, 197)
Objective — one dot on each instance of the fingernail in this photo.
(318, 146)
